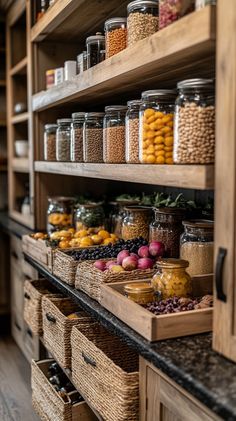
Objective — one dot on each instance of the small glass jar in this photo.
(142, 19)
(195, 122)
(119, 214)
(199, 4)
(167, 228)
(114, 134)
(156, 117)
(76, 141)
(140, 292)
(93, 137)
(50, 142)
(59, 213)
(171, 279)
(95, 44)
(89, 215)
(197, 246)
(115, 35)
(63, 139)
(132, 132)
(82, 62)
(170, 11)
(136, 222)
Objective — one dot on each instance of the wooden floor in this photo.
(15, 393)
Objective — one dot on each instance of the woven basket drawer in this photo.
(64, 267)
(105, 370)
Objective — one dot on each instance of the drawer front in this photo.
(16, 247)
(31, 344)
(17, 290)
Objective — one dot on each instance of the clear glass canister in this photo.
(76, 145)
(132, 132)
(60, 213)
(115, 35)
(156, 127)
(82, 62)
(197, 246)
(89, 215)
(119, 215)
(114, 134)
(50, 142)
(95, 45)
(195, 122)
(171, 279)
(93, 137)
(199, 4)
(142, 19)
(140, 292)
(167, 228)
(136, 222)
(63, 139)
(171, 10)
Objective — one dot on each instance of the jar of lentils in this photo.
(195, 122)
(63, 139)
(171, 10)
(142, 19)
(93, 137)
(136, 222)
(76, 146)
(132, 132)
(156, 127)
(115, 35)
(114, 134)
(50, 142)
(95, 49)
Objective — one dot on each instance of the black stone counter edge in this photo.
(142, 346)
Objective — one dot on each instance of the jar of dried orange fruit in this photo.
(60, 213)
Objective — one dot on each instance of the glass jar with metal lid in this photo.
(140, 292)
(93, 137)
(82, 62)
(136, 222)
(199, 4)
(114, 134)
(115, 35)
(119, 214)
(156, 126)
(95, 45)
(89, 215)
(50, 142)
(142, 19)
(195, 122)
(170, 11)
(132, 132)
(197, 246)
(76, 145)
(63, 139)
(60, 213)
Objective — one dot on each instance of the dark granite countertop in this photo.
(9, 226)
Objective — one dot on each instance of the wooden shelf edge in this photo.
(3, 83)
(20, 165)
(26, 220)
(17, 69)
(20, 118)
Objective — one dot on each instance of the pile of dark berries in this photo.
(172, 305)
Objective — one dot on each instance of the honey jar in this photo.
(140, 292)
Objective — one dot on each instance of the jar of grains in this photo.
(132, 132)
(115, 35)
(196, 246)
(114, 134)
(199, 4)
(142, 19)
(167, 228)
(119, 215)
(195, 122)
(156, 127)
(50, 142)
(93, 137)
(95, 45)
(89, 215)
(171, 10)
(136, 222)
(63, 139)
(76, 140)
(60, 213)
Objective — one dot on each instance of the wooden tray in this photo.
(38, 250)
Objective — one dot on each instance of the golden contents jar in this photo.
(136, 222)
(140, 292)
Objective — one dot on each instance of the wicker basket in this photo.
(57, 327)
(39, 251)
(105, 371)
(89, 279)
(64, 266)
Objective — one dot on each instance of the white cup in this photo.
(70, 69)
(21, 147)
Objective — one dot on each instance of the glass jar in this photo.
(156, 127)
(199, 4)
(171, 279)
(63, 139)
(114, 134)
(136, 222)
(170, 11)
(140, 292)
(132, 132)
(115, 35)
(76, 141)
(50, 142)
(82, 62)
(197, 246)
(195, 122)
(119, 215)
(60, 213)
(142, 20)
(93, 137)
(95, 45)
(167, 228)
(89, 215)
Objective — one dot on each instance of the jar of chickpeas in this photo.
(156, 126)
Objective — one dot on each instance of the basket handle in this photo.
(50, 318)
(26, 295)
(89, 360)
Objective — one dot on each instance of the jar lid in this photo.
(172, 263)
(115, 108)
(64, 121)
(97, 37)
(88, 115)
(137, 3)
(138, 287)
(196, 83)
(61, 199)
(50, 72)
(159, 92)
(114, 20)
(90, 205)
(199, 223)
(138, 208)
(50, 126)
(134, 102)
(79, 115)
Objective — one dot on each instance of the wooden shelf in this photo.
(2, 83)
(20, 68)
(200, 177)
(170, 54)
(20, 165)
(20, 118)
(26, 220)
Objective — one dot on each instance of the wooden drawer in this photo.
(17, 290)
(30, 344)
(17, 327)
(28, 270)
(16, 247)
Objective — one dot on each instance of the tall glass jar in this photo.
(95, 45)
(89, 215)
(142, 20)
(63, 139)
(115, 35)
(156, 127)
(197, 246)
(195, 122)
(119, 214)
(93, 137)
(82, 62)
(136, 222)
(114, 134)
(76, 141)
(132, 132)
(60, 213)
(169, 11)
(199, 4)
(50, 142)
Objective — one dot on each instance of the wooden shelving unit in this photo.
(20, 165)
(20, 118)
(3, 133)
(20, 68)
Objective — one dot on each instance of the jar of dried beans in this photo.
(114, 134)
(95, 47)
(93, 137)
(115, 36)
(171, 10)
(60, 213)
(132, 132)
(50, 142)
(195, 122)
(142, 19)
(63, 139)
(136, 222)
(76, 145)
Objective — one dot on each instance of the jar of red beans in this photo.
(171, 10)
